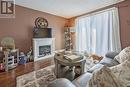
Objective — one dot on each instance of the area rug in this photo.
(39, 78)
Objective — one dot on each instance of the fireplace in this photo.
(43, 48)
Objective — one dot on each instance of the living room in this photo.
(63, 18)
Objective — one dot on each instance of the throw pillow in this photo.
(123, 55)
(104, 78)
(111, 54)
(122, 71)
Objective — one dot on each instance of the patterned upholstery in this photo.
(104, 78)
(123, 55)
(122, 71)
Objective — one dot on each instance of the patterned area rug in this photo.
(39, 78)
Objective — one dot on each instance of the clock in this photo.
(41, 23)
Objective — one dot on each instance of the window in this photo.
(98, 33)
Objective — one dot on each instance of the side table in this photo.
(11, 59)
(61, 61)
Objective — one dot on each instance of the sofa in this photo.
(82, 80)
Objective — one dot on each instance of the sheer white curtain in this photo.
(98, 33)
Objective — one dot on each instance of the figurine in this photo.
(22, 58)
(29, 55)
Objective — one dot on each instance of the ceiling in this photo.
(66, 8)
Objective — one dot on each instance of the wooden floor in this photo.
(8, 79)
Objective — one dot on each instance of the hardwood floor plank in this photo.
(8, 79)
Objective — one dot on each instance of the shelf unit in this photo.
(11, 59)
(68, 40)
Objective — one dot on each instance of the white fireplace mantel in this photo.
(37, 42)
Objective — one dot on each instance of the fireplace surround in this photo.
(43, 48)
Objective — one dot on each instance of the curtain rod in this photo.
(100, 10)
(97, 12)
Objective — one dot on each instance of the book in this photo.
(73, 57)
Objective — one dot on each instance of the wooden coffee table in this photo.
(61, 61)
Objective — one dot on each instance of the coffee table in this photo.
(61, 61)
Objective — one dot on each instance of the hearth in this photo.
(43, 48)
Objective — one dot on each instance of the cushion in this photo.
(122, 71)
(83, 80)
(97, 66)
(111, 54)
(104, 78)
(123, 55)
(109, 62)
(61, 83)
